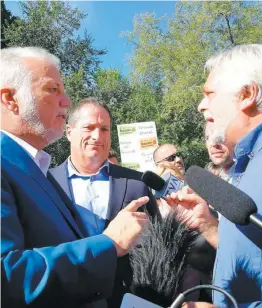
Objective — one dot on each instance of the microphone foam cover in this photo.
(160, 258)
(153, 180)
(228, 200)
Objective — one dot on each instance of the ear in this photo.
(8, 100)
(249, 95)
(68, 132)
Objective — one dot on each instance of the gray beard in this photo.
(218, 136)
(31, 119)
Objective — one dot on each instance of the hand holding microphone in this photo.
(195, 212)
(192, 209)
(228, 200)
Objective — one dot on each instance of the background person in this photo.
(219, 153)
(216, 170)
(168, 152)
(162, 168)
(98, 189)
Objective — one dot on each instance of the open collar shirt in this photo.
(91, 196)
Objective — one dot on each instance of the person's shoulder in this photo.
(254, 165)
(58, 168)
(250, 180)
(6, 167)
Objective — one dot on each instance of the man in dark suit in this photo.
(46, 259)
(98, 189)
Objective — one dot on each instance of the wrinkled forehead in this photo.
(93, 114)
(42, 71)
(37, 65)
(214, 80)
(224, 79)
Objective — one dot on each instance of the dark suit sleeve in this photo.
(70, 273)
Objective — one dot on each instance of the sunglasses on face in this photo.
(170, 158)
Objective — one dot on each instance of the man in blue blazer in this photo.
(46, 259)
(98, 189)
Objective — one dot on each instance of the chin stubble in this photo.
(31, 119)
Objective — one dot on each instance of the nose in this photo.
(65, 102)
(179, 159)
(96, 134)
(202, 107)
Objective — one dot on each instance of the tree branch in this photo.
(229, 29)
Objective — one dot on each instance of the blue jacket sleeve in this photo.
(71, 273)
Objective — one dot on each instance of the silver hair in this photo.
(245, 62)
(18, 76)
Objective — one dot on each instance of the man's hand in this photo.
(194, 211)
(197, 305)
(127, 226)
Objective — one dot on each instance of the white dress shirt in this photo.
(91, 196)
(41, 158)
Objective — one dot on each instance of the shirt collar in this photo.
(72, 171)
(41, 158)
(248, 145)
(44, 160)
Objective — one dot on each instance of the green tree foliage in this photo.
(127, 103)
(114, 91)
(52, 25)
(6, 19)
(169, 54)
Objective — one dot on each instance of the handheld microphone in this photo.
(164, 185)
(228, 200)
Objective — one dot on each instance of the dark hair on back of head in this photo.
(75, 111)
(160, 259)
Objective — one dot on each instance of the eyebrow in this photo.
(94, 124)
(60, 85)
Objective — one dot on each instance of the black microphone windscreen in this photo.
(228, 200)
(160, 258)
(153, 180)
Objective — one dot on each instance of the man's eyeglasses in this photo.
(170, 158)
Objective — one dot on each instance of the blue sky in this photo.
(107, 19)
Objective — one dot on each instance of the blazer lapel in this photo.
(60, 175)
(67, 201)
(117, 193)
(22, 160)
